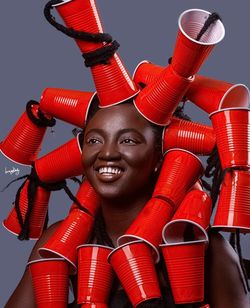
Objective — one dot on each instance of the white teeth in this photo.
(109, 170)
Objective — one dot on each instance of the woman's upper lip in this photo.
(109, 165)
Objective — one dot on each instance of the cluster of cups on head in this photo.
(176, 213)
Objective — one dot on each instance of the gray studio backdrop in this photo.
(35, 56)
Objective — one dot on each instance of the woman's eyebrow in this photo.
(131, 130)
(94, 130)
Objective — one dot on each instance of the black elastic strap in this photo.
(211, 19)
(79, 35)
(99, 56)
(41, 121)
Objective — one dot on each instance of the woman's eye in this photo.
(93, 141)
(129, 141)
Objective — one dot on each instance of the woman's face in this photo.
(119, 153)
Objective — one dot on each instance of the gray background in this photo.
(35, 56)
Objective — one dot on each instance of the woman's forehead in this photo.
(118, 117)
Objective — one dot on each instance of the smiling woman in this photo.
(132, 189)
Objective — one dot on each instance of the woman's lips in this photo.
(109, 174)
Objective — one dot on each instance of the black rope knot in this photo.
(42, 120)
(100, 55)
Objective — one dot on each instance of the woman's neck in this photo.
(118, 215)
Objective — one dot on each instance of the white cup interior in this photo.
(192, 21)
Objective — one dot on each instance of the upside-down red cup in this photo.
(134, 266)
(191, 219)
(113, 82)
(210, 94)
(95, 274)
(94, 305)
(61, 163)
(179, 172)
(50, 279)
(158, 101)
(23, 142)
(190, 53)
(194, 137)
(88, 198)
(185, 267)
(37, 216)
(67, 105)
(73, 231)
(146, 72)
(148, 225)
(232, 130)
(233, 211)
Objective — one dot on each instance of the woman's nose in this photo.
(109, 151)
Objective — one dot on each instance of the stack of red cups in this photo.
(231, 124)
(186, 238)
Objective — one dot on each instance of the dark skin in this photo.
(120, 139)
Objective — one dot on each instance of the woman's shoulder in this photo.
(225, 280)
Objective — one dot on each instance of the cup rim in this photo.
(183, 220)
(229, 109)
(182, 243)
(73, 266)
(193, 40)
(129, 243)
(14, 161)
(44, 260)
(232, 88)
(184, 150)
(61, 3)
(14, 233)
(138, 65)
(140, 239)
(94, 245)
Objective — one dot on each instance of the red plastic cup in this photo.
(210, 94)
(50, 279)
(146, 72)
(61, 163)
(232, 130)
(179, 172)
(185, 266)
(94, 305)
(23, 143)
(148, 225)
(113, 82)
(38, 214)
(189, 53)
(194, 137)
(95, 274)
(158, 101)
(205, 306)
(233, 211)
(193, 215)
(72, 232)
(67, 105)
(88, 198)
(134, 266)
